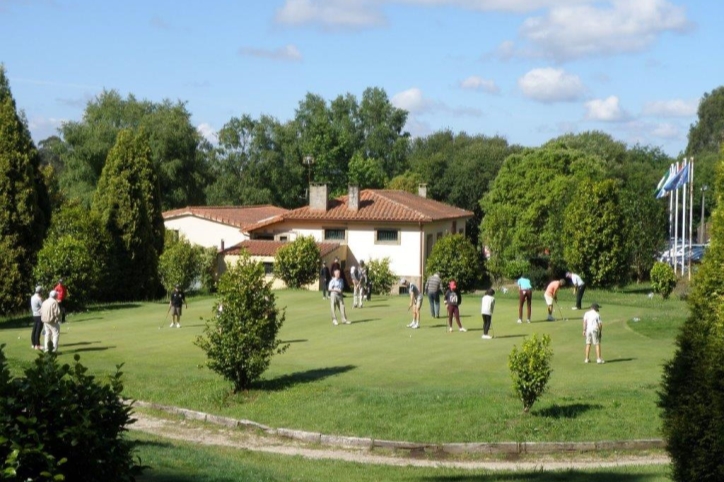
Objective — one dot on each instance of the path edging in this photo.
(370, 443)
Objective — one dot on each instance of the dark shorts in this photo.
(175, 311)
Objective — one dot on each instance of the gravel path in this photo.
(216, 436)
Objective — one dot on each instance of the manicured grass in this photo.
(185, 462)
(377, 378)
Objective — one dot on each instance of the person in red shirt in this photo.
(61, 294)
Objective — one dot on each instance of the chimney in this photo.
(422, 190)
(318, 197)
(222, 245)
(353, 198)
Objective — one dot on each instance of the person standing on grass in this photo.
(486, 309)
(432, 288)
(592, 331)
(50, 316)
(336, 288)
(62, 294)
(324, 277)
(178, 298)
(551, 295)
(362, 283)
(415, 303)
(579, 286)
(36, 303)
(453, 300)
(525, 294)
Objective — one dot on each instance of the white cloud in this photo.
(331, 13)
(288, 53)
(671, 108)
(43, 127)
(414, 101)
(208, 132)
(551, 85)
(667, 131)
(605, 110)
(480, 84)
(602, 28)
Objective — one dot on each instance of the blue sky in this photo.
(528, 70)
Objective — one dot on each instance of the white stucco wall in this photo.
(205, 232)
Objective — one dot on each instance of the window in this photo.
(334, 234)
(391, 236)
(268, 268)
(439, 236)
(428, 245)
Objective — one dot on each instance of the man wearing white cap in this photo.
(50, 316)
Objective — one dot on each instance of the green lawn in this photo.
(185, 462)
(377, 378)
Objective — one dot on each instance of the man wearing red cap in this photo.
(453, 299)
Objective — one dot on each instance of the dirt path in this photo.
(215, 436)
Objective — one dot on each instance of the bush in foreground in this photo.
(241, 338)
(59, 423)
(530, 368)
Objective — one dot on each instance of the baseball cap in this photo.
(38, 289)
(595, 306)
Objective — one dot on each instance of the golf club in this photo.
(560, 312)
(165, 319)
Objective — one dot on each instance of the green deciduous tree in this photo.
(455, 257)
(707, 133)
(692, 393)
(179, 264)
(530, 369)
(242, 338)
(408, 181)
(57, 422)
(381, 276)
(297, 263)
(595, 241)
(128, 203)
(24, 203)
(366, 173)
(525, 205)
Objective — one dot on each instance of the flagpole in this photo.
(683, 218)
(691, 209)
(676, 223)
(671, 214)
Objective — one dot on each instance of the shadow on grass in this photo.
(294, 341)
(110, 307)
(619, 360)
(367, 320)
(298, 378)
(567, 411)
(510, 336)
(94, 348)
(14, 322)
(80, 343)
(546, 476)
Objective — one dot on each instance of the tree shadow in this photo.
(110, 307)
(294, 341)
(80, 343)
(81, 350)
(309, 376)
(618, 360)
(363, 321)
(567, 411)
(14, 322)
(510, 336)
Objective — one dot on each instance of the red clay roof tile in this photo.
(239, 216)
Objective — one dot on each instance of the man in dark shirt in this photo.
(324, 278)
(177, 299)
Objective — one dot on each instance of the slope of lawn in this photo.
(376, 378)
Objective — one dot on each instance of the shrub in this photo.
(455, 257)
(297, 263)
(380, 275)
(516, 268)
(59, 423)
(241, 339)
(178, 264)
(531, 369)
(663, 279)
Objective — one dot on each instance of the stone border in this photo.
(509, 448)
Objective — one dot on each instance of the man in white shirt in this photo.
(336, 288)
(50, 315)
(592, 329)
(579, 286)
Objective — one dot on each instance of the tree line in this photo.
(91, 197)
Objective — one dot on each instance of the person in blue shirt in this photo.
(525, 294)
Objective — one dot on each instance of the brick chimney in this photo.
(221, 245)
(318, 197)
(422, 190)
(353, 198)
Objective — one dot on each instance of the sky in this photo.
(527, 70)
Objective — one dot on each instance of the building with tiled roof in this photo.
(217, 225)
(370, 224)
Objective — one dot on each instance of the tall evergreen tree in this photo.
(692, 396)
(24, 203)
(128, 201)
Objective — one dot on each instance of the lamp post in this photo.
(701, 226)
